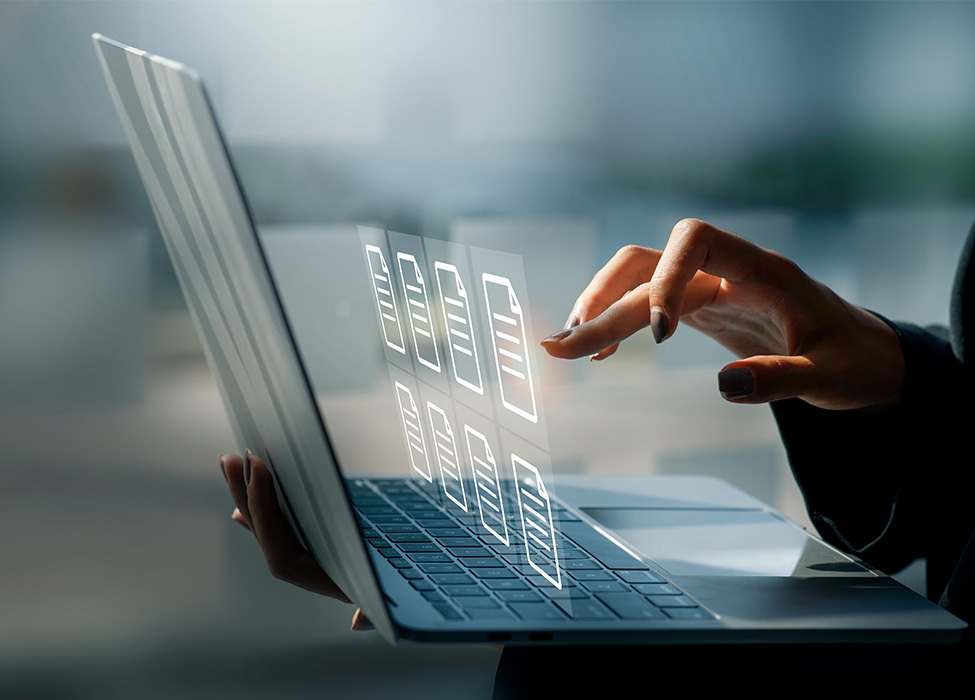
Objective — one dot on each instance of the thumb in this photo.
(765, 378)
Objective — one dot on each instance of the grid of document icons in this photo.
(459, 349)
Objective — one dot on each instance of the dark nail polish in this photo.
(736, 383)
(247, 467)
(558, 335)
(659, 325)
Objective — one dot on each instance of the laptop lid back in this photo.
(224, 274)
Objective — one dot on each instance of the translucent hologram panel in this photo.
(411, 421)
(393, 329)
(537, 527)
(506, 319)
(487, 482)
(418, 311)
(458, 320)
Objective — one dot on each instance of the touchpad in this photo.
(715, 542)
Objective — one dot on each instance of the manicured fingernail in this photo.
(223, 469)
(571, 323)
(558, 336)
(736, 383)
(247, 467)
(659, 325)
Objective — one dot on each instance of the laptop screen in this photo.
(422, 357)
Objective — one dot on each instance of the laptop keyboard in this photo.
(468, 574)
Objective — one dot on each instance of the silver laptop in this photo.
(390, 381)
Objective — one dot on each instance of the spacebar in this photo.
(606, 552)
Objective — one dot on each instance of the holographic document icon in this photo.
(510, 342)
(418, 310)
(447, 457)
(487, 484)
(456, 307)
(382, 285)
(415, 444)
(535, 508)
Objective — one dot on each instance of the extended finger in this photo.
(631, 266)
(233, 470)
(286, 558)
(694, 247)
(599, 336)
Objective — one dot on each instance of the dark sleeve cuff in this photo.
(868, 476)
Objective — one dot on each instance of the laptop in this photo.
(390, 380)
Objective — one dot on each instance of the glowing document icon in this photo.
(535, 507)
(487, 483)
(456, 307)
(415, 443)
(418, 309)
(382, 285)
(447, 457)
(510, 342)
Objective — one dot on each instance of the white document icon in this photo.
(418, 310)
(415, 443)
(509, 338)
(487, 484)
(535, 507)
(456, 307)
(382, 285)
(447, 457)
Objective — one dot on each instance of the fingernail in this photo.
(247, 467)
(659, 325)
(558, 336)
(223, 469)
(571, 323)
(736, 383)
(361, 623)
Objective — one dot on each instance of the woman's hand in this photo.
(795, 336)
(260, 512)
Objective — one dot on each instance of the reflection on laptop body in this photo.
(489, 551)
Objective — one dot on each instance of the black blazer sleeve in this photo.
(895, 483)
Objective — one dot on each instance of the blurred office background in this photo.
(840, 134)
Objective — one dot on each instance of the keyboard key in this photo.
(429, 557)
(494, 573)
(434, 596)
(469, 551)
(394, 527)
(410, 573)
(537, 611)
(483, 601)
(631, 606)
(378, 519)
(438, 532)
(592, 575)
(657, 589)
(518, 596)
(451, 542)
(671, 601)
(640, 576)
(441, 568)
(604, 586)
(463, 591)
(687, 613)
(580, 564)
(399, 537)
(419, 547)
(389, 552)
(452, 579)
(506, 584)
(400, 563)
(481, 562)
(423, 585)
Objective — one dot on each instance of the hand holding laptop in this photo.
(795, 336)
(260, 512)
